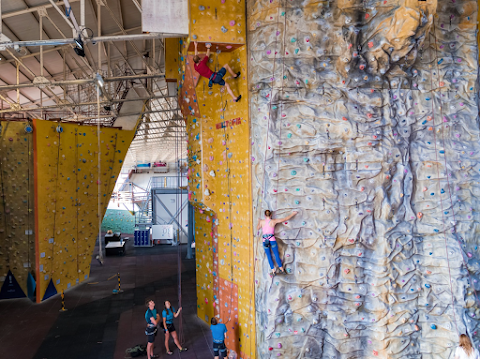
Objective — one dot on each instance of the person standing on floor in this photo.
(214, 77)
(219, 334)
(153, 319)
(465, 349)
(168, 328)
(269, 241)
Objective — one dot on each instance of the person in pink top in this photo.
(269, 241)
(214, 77)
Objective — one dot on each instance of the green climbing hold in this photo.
(293, 173)
(293, 39)
(289, 135)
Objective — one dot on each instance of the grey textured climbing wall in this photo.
(365, 119)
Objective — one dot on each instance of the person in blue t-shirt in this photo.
(152, 318)
(168, 328)
(219, 334)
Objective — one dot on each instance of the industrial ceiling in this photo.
(119, 79)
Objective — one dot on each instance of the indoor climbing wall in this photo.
(118, 220)
(17, 242)
(206, 258)
(365, 121)
(219, 170)
(66, 197)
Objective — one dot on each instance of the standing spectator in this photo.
(465, 350)
(219, 334)
(152, 318)
(168, 328)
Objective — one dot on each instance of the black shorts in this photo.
(219, 349)
(170, 328)
(151, 333)
(218, 77)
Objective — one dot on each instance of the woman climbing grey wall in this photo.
(269, 241)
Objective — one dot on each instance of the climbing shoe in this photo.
(238, 75)
(238, 98)
(183, 350)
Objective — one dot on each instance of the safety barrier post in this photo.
(63, 309)
(119, 289)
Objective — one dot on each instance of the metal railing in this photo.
(144, 216)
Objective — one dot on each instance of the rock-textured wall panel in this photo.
(364, 119)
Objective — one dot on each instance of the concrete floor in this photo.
(99, 324)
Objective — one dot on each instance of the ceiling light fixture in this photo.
(79, 48)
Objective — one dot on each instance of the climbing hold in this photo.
(201, 8)
(59, 129)
(433, 326)
(224, 29)
(232, 23)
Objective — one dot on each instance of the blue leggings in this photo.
(274, 246)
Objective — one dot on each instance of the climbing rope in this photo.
(448, 186)
(229, 197)
(99, 172)
(179, 209)
(76, 200)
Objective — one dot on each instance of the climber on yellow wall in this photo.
(268, 229)
(214, 77)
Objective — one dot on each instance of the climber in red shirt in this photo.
(214, 77)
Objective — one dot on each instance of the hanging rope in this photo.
(76, 200)
(99, 173)
(59, 135)
(449, 189)
(179, 254)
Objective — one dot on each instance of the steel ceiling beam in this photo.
(92, 40)
(47, 5)
(80, 81)
(93, 103)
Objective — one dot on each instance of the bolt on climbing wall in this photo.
(66, 194)
(365, 120)
(219, 172)
(17, 241)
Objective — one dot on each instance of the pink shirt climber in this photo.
(268, 231)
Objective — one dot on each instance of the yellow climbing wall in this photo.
(17, 243)
(204, 237)
(219, 173)
(220, 21)
(172, 55)
(66, 168)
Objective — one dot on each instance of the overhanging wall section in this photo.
(66, 197)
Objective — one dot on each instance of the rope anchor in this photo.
(63, 309)
(119, 290)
